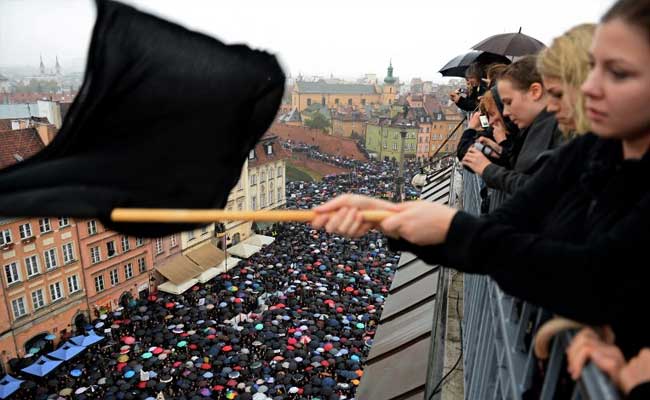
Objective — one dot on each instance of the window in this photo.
(322, 100)
(263, 199)
(92, 227)
(18, 305)
(5, 237)
(363, 102)
(95, 255)
(125, 244)
(142, 265)
(251, 155)
(308, 102)
(262, 176)
(115, 278)
(269, 149)
(280, 194)
(25, 231)
(128, 271)
(253, 179)
(172, 240)
(240, 185)
(253, 203)
(270, 196)
(12, 273)
(56, 291)
(63, 222)
(99, 283)
(139, 242)
(110, 249)
(336, 101)
(279, 172)
(68, 253)
(349, 102)
(394, 146)
(31, 263)
(190, 235)
(204, 230)
(38, 300)
(427, 130)
(50, 259)
(159, 245)
(73, 284)
(385, 145)
(44, 225)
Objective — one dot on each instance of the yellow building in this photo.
(334, 95)
(347, 124)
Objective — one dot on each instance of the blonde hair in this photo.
(567, 59)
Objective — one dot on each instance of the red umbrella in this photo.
(193, 346)
(305, 339)
(177, 364)
(218, 388)
(142, 384)
(339, 309)
(206, 366)
(238, 300)
(119, 367)
(278, 358)
(152, 297)
(210, 337)
(226, 348)
(231, 383)
(195, 288)
(128, 339)
(324, 363)
(157, 350)
(328, 346)
(170, 305)
(292, 341)
(349, 289)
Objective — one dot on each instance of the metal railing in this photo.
(498, 331)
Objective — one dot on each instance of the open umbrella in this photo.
(459, 64)
(510, 44)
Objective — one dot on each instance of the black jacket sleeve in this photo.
(640, 392)
(468, 138)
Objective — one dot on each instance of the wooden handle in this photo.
(189, 216)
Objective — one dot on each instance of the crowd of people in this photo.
(293, 321)
(564, 164)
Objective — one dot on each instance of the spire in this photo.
(42, 67)
(389, 77)
(58, 66)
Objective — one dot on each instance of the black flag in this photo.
(164, 119)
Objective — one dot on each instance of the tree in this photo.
(317, 121)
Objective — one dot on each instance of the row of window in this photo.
(13, 270)
(19, 306)
(264, 197)
(172, 242)
(252, 179)
(336, 101)
(114, 275)
(396, 135)
(25, 230)
(191, 236)
(407, 146)
(111, 249)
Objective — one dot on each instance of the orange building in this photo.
(443, 125)
(117, 268)
(346, 123)
(42, 276)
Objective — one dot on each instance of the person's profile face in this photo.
(617, 89)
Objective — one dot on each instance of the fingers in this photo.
(348, 220)
(320, 221)
(578, 359)
(335, 220)
(335, 204)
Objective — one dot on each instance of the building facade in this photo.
(42, 275)
(117, 268)
(349, 124)
(383, 139)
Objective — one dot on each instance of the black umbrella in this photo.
(147, 80)
(510, 44)
(459, 64)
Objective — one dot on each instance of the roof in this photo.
(18, 145)
(179, 268)
(261, 155)
(18, 110)
(403, 346)
(334, 88)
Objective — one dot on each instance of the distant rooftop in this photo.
(334, 88)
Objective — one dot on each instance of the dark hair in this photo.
(523, 73)
(474, 71)
(635, 12)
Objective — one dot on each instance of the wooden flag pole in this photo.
(196, 216)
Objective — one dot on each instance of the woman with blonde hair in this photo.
(564, 67)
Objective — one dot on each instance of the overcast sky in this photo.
(344, 38)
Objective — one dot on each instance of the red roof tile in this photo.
(21, 142)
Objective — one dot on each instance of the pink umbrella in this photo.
(128, 339)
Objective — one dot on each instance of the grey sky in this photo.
(345, 38)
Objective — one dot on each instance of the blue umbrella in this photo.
(75, 373)
(42, 366)
(8, 385)
(50, 337)
(129, 374)
(67, 351)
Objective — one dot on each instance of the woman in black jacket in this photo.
(572, 239)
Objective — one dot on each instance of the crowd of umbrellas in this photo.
(293, 321)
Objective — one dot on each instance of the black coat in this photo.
(530, 151)
(470, 102)
(573, 240)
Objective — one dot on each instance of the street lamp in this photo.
(399, 183)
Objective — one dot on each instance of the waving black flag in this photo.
(164, 119)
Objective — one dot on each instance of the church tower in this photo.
(42, 67)
(389, 90)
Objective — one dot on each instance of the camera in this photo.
(462, 91)
(483, 148)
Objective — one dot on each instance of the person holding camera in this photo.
(524, 100)
(476, 89)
